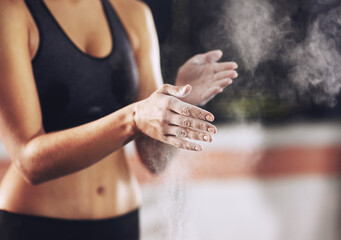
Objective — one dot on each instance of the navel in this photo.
(100, 190)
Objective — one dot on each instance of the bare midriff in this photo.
(106, 189)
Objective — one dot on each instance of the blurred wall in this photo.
(252, 182)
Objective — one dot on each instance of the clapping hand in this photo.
(206, 75)
(164, 117)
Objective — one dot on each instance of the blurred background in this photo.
(273, 169)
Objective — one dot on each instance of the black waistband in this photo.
(14, 226)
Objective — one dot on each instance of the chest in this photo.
(85, 24)
(75, 82)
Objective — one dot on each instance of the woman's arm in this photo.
(41, 156)
(38, 155)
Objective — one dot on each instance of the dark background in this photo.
(180, 23)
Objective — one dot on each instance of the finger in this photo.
(208, 57)
(181, 143)
(211, 93)
(178, 120)
(181, 132)
(223, 83)
(224, 66)
(225, 74)
(188, 110)
(176, 91)
(213, 56)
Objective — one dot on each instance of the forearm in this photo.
(57, 154)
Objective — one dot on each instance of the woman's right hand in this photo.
(164, 117)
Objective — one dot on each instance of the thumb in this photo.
(213, 56)
(176, 91)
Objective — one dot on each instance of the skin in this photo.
(82, 171)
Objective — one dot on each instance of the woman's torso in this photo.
(107, 188)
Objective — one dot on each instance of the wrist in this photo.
(133, 122)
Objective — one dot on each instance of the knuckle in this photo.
(181, 133)
(186, 122)
(164, 117)
(164, 122)
(201, 126)
(165, 86)
(164, 129)
(201, 115)
(186, 111)
(193, 112)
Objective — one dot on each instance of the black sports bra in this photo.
(73, 87)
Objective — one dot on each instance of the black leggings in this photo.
(14, 226)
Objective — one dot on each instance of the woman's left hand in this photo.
(206, 76)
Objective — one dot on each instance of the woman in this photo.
(78, 80)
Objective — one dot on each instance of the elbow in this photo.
(33, 179)
(30, 168)
(29, 172)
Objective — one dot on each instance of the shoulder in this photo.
(134, 8)
(13, 9)
(13, 16)
(136, 18)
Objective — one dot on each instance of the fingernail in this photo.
(209, 118)
(211, 130)
(197, 148)
(205, 138)
(235, 74)
(184, 90)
